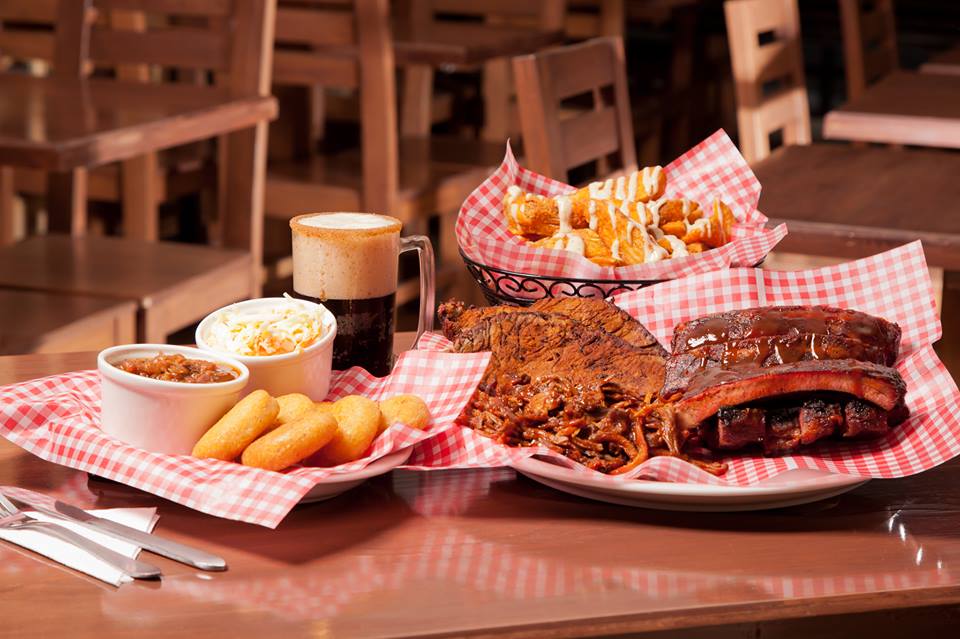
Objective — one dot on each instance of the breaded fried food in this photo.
(292, 442)
(358, 419)
(584, 242)
(292, 406)
(246, 421)
(409, 410)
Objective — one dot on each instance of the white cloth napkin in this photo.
(140, 518)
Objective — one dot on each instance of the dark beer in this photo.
(348, 263)
(364, 332)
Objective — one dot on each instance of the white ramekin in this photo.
(157, 415)
(306, 372)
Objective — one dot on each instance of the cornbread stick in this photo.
(247, 420)
(405, 409)
(292, 442)
(292, 406)
(358, 419)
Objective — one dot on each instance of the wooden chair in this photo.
(838, 201)
(49, 36)
(174, 284)
(557, 139)
(497, 86)
(141, 184)
(869, 42)
(349, 46)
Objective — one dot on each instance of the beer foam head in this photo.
(345, 256)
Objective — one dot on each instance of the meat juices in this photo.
(348, 262)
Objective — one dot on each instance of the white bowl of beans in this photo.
(163, 398)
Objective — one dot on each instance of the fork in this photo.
(13, 518)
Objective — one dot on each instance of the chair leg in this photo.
(416, 112)
(141, 201)
(242, 190)
(67, 202)
(7, 215)
(497, 92)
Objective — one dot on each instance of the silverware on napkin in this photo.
(150, 542)
(11, 517)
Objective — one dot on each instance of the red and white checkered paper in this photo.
(713, 168)
(894, 285)
(56, 418)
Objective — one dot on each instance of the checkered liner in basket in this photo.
(713, 168)
(894, 285)
(56, 419)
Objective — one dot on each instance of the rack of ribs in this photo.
(784, 377)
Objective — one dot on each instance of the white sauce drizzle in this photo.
(632, 187)
(620, 193)
(574, 243)
(592, 209)
(653, 212)
(615, 249)
(564, 209)
(677, 247)
(651, 179)
(612, 212)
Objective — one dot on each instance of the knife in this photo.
(153, 543)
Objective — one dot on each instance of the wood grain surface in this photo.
(488, 553)
(921, 109)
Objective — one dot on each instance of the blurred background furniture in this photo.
(559, 140)
(64, 124)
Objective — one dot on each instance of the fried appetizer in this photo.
(246, 421)
(409, 410)
(292, 406)
(291, 442)
(358, 420)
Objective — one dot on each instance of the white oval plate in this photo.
(341, 483)
(791, 488)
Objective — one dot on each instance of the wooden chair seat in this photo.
(50, 323)
(852, 202)
(171, 284)
(435, 175)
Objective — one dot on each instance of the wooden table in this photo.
(945, 62)
(451, 44)
(63, 124)
(908, 108)
(488, 553)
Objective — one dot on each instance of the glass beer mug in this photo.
(348, 262)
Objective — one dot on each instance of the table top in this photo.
(60, 124)
(909, 108)
(852, 202)
(488, 553)
(453, 44)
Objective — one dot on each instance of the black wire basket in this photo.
(523, 289)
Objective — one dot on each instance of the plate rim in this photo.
(553, 472)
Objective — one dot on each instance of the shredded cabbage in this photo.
(288, 327)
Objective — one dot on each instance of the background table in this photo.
(905, 107)
(488, 553)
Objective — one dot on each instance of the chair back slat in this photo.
(29, 11)
(767, 59)
(306, 68)
(558, 139)
(869, 42)
(147, 39)
(52, 32)
(184, 48)
(537, 14)
(315, 27)
(348, 45)
(220, 8)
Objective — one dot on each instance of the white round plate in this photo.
(341, 483)
(791, 488)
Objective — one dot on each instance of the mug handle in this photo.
(428, 292)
